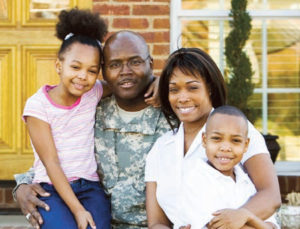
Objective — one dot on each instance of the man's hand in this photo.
(229, 218)
(153, 92)
(26, 195)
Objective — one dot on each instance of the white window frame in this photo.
(178, 14)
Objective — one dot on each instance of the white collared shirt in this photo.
(171, 170)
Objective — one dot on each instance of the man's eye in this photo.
(114, 65)
(135, 62)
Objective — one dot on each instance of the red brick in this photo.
(131, 23)
(151, 10)
(8, 196)
(161, 23)
(156, 36)
(105, 9)
(161, 50)
(159, 64)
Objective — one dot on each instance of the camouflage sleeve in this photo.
(23, 178)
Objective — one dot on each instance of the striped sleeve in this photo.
(34, 107)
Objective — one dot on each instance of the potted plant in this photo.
(239, 70)
(290, 213)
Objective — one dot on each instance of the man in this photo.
(125, 130)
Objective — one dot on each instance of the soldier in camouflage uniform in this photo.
(125, 130)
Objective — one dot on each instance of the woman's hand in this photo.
(153, 92)
(26, 196)
(83, 218)
(229, 218)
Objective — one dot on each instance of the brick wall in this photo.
(7, 204)
(150, 18)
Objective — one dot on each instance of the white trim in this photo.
(277, 90)
(287, 168)
(175, 25)
(264, 77)
(224, 14)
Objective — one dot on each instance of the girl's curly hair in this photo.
(86, 28)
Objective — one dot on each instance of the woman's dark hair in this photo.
(86, 28)
(191, 61)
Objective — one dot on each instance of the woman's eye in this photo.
(193, 88)
(173, 90)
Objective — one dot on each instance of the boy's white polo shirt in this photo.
(169, 168)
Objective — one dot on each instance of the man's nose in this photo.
(125, 68)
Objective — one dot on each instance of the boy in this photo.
(220, 182)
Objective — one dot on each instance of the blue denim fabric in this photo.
(90, 195)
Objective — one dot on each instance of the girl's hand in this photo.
(153, 90)
(229, 218)
(83, 218)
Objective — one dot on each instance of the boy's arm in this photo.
(41, 137)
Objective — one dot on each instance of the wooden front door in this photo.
(28, 50)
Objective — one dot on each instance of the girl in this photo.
(60, 122)
(190, 86)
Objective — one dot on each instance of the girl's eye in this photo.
(237, 140)
(93, 72)
(215, 138)
(75, 67)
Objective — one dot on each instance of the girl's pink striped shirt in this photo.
(72, 130)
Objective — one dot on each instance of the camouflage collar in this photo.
(111, 119)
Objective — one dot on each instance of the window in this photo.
(274, 51)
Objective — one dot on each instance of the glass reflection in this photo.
(47, 9)
(3, 9)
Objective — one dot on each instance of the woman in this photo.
(191, 85)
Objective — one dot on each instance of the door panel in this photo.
(28, 50)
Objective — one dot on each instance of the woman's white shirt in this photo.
(169, 168)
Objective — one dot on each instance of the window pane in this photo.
(203, 4)
(284, 53)
(3, 9)
(47, 9)
(284, 121)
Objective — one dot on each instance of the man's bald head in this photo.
(119, 38)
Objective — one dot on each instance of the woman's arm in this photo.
(156, 217)
(41, 137)
(262, 173)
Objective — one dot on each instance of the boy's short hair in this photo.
(229, 110)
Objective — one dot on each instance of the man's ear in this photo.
(151, 62)
(58, 66)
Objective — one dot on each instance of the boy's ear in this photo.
(246, 144)
(58, 66)
(204, 139)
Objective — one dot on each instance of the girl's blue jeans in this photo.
(91, 196)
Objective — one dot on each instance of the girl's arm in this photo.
(262, 173)
(41, 137)
(156, 217)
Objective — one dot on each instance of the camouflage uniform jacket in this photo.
(121, 150)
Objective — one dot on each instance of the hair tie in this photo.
(68, 36)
